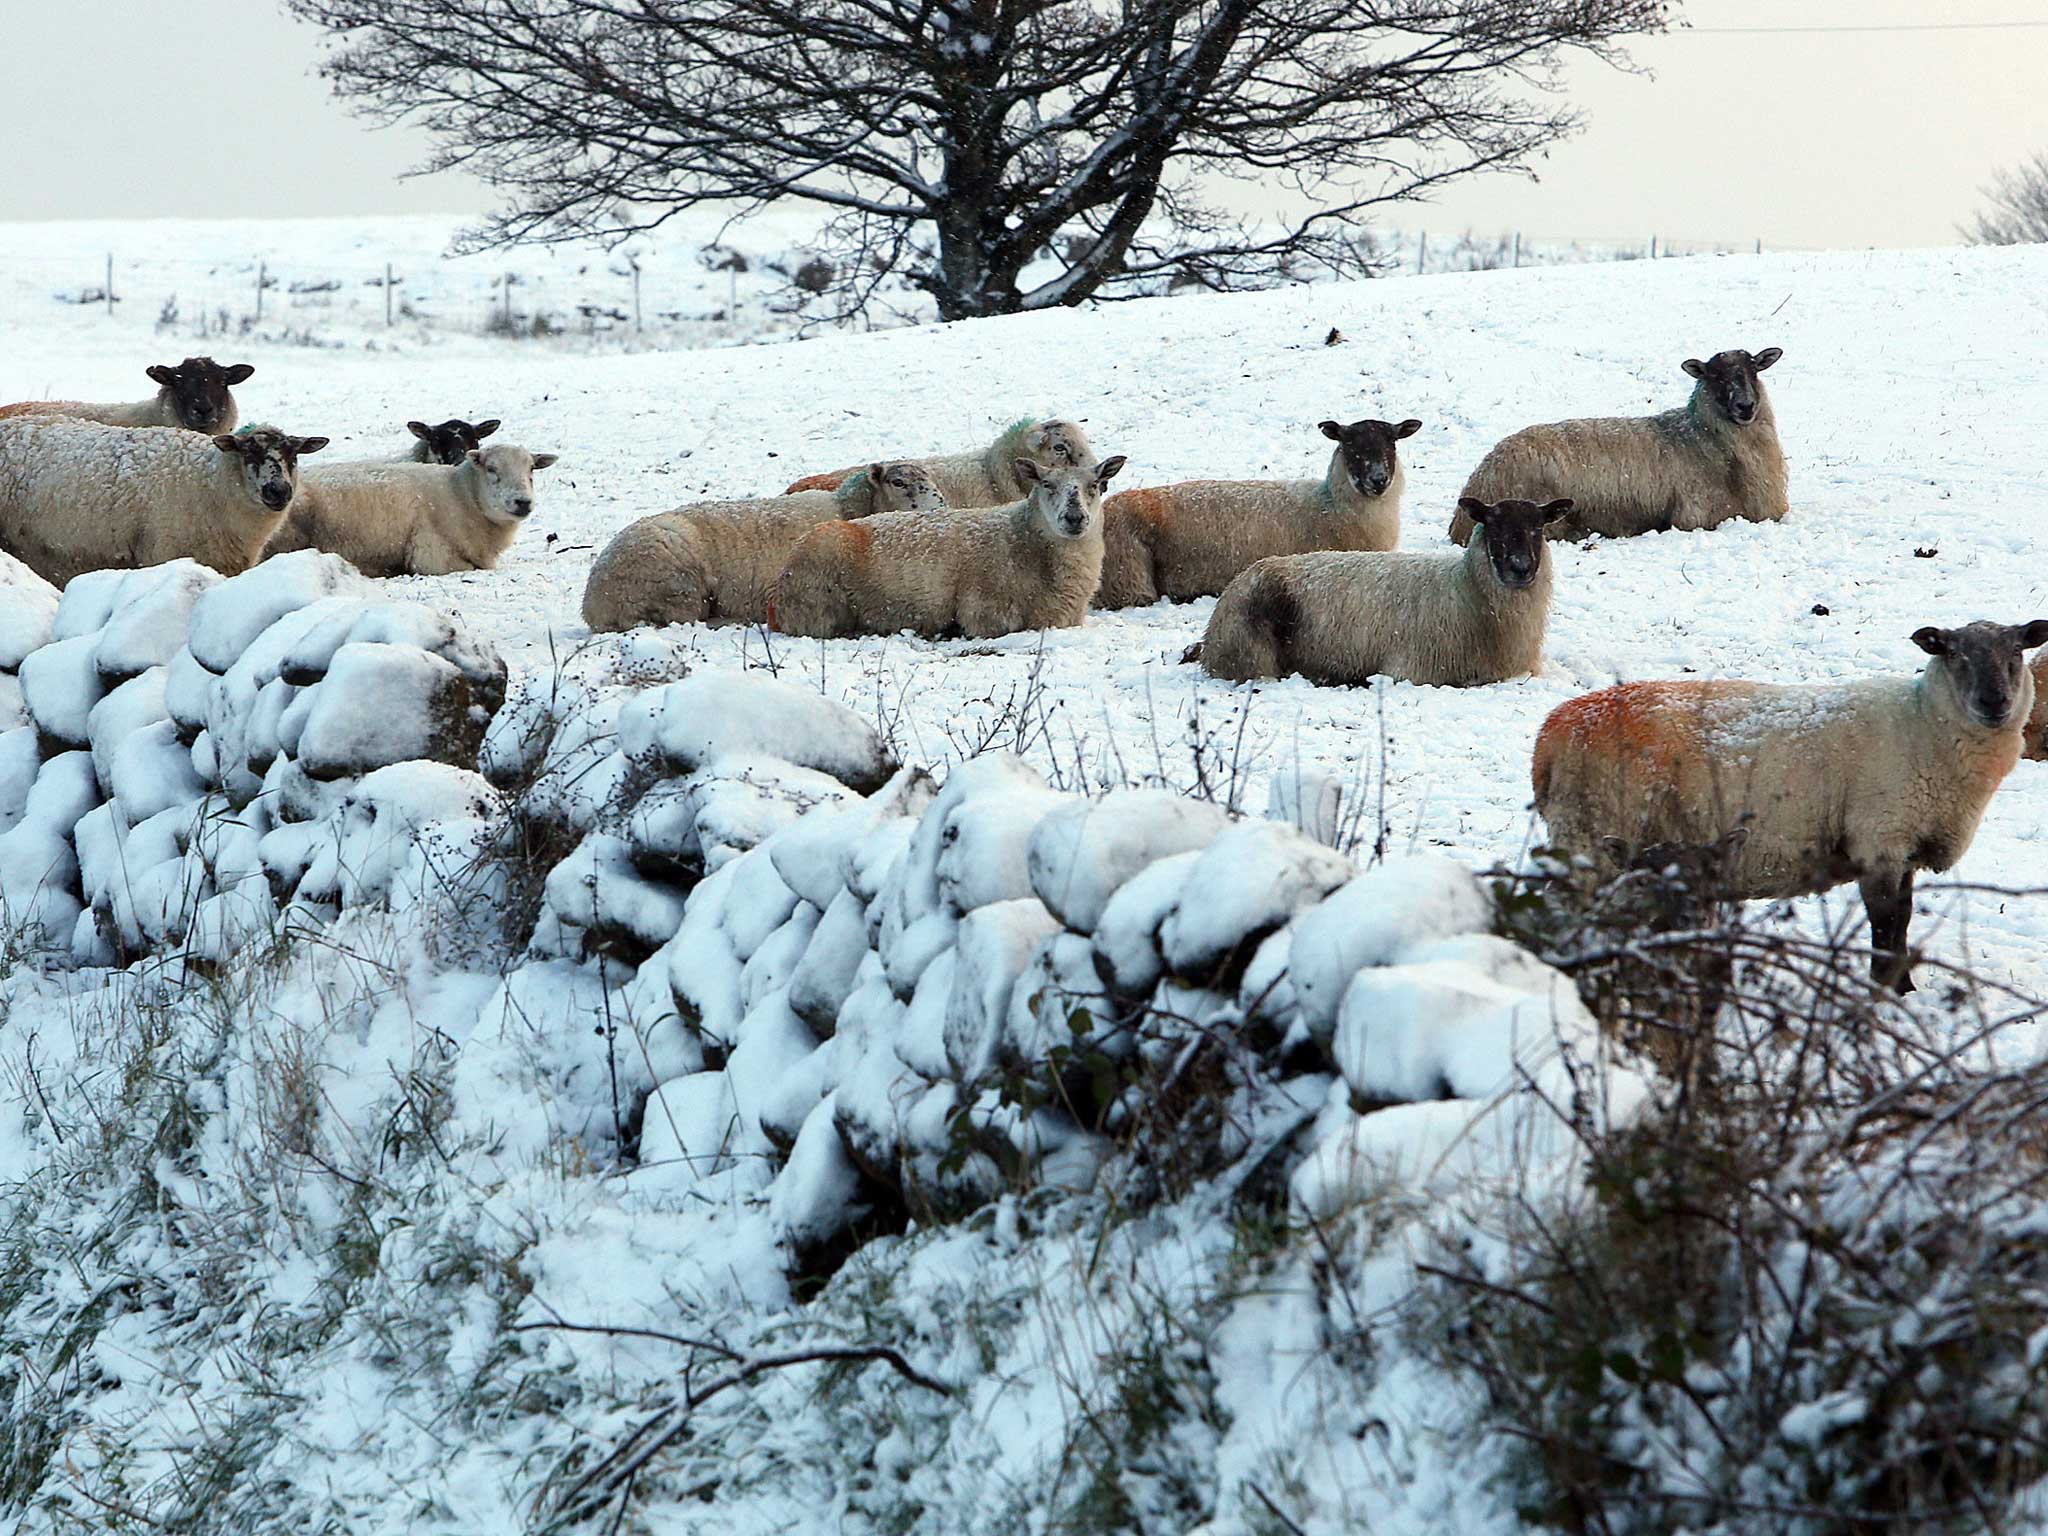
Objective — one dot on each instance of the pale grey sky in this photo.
(211, 108)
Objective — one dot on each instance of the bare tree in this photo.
(1002, 155)
(2019, 206)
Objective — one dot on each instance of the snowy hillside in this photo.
(1914, 437)
(701, 1116)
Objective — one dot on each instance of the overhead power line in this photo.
(1902, 26)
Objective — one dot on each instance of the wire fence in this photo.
(682, 294)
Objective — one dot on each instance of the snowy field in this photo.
(330, 1216)
(1908, 402)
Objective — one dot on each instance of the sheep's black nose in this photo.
(522, 507)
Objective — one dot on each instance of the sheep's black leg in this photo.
(1889, 901)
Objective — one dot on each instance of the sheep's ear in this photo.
(486, 428)
(1553, 510)
(1931, 640)
(2034, 634)
(1106, 471)
(875, 473)
(543, 460)
(1695, 367)
(1027, 471)
(420, 430)
(1408, 428)
(1762, 360)
(474, 455)
(159, 374)
(227, 442)
(238, 372)
(1473, 508)
(1330, 429)
(308, 444)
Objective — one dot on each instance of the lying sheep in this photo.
(193, 395)
(400, 519)
(447, 443)
(1190, 540)
(987, 478)
(1717, 457)
(80, 496)
(987, 571)
(1451, 620)
(1810, 786)
(716, 562)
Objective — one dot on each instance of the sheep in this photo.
(194, 396)
(1032, 564)
(1808, 786)
(446, 443)
(1341, 617)
(402, 519)
(716, 562)
(80, 496)
(2036, 744)
(1190, 540)
(1715, 458)
(985, 478)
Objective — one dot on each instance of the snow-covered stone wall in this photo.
(185, 757)
(834, 987)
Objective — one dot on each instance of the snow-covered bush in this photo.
(1803, 1293)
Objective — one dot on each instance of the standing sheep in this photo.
(716, 562)
(402, 519)
(1191, 539)
(986, 478)
(447, 443)
(1716, 457)
(80, 496)
(194, 395)
(1449, 620)
(987, 571)
(1807, 787)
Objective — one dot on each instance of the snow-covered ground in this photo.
(1908, 402)
(379, 1365)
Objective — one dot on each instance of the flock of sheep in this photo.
(1798, 789)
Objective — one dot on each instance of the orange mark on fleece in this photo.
(33, 407)
(1657, 725)
(1150, 506)
(816, 483)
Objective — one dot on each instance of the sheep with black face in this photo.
(447, 443)
(194, 395)
(1805, 786)
(80, 496)
(1189, 540)
(1447, 619)
(1713, 459)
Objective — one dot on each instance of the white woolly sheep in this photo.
(1341, 617)
(1715, 458)
(988, 571)
(987, 477)
(447, 443)
(193, 395)
(400, 519)
(1190, 540)
(716, 562)
(1804, 787)
(79, 496)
